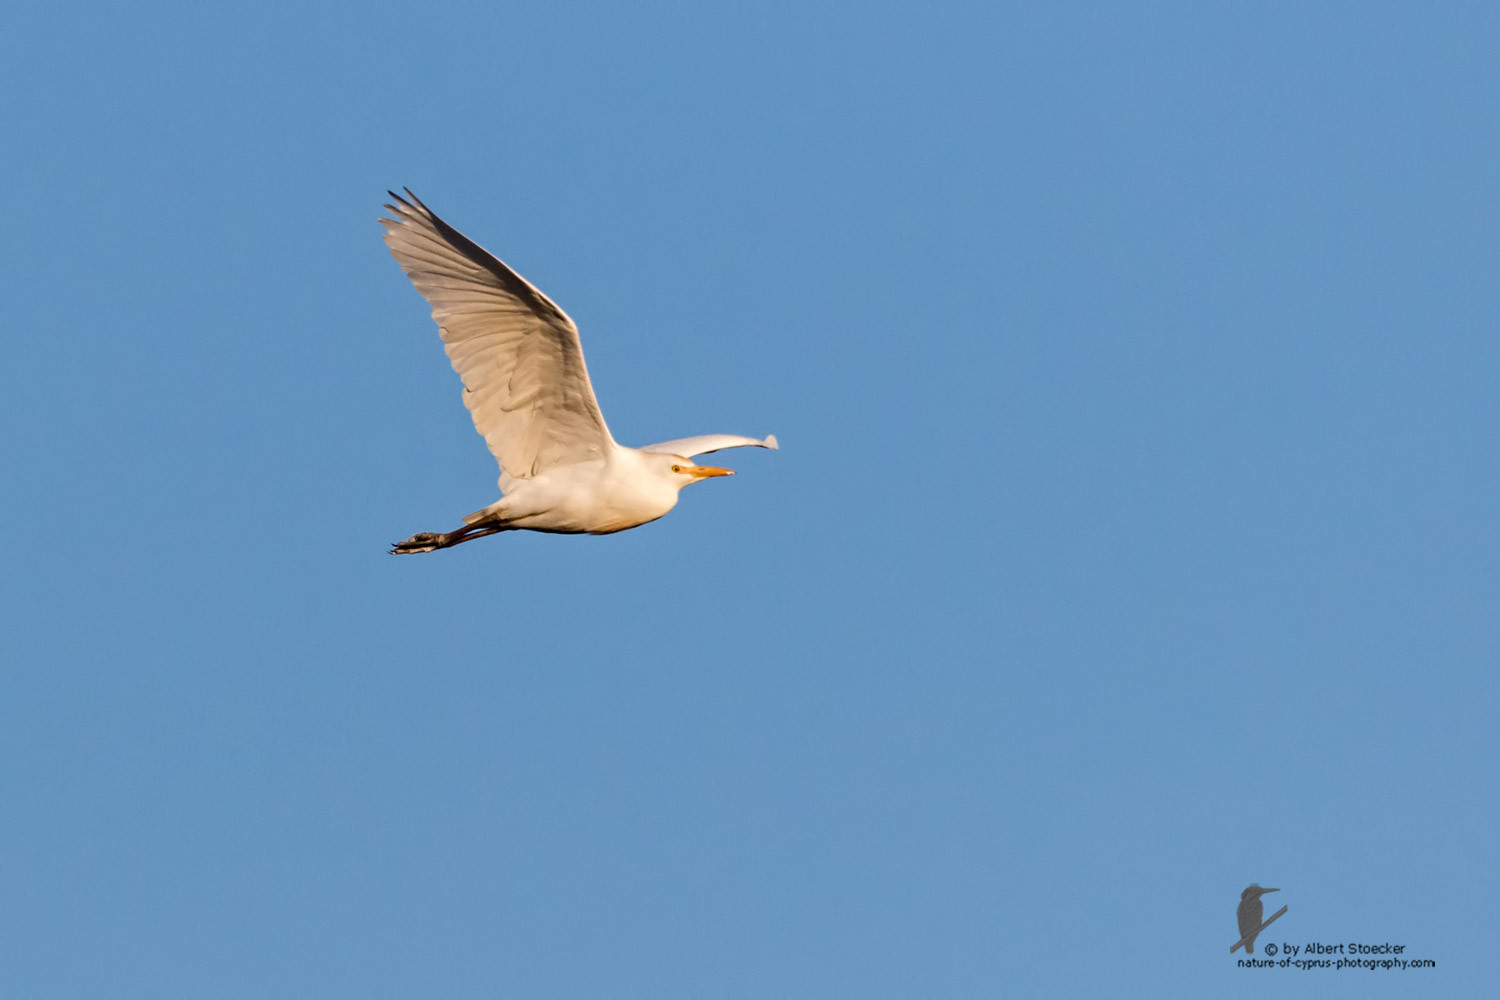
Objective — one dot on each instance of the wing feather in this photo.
(705, 443)
(525, 382)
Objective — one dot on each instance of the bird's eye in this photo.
(676, 468)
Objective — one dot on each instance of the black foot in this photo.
(422, 541)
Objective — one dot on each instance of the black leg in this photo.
(431, 541)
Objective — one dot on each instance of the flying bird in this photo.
(529, 393)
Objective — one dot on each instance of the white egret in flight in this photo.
(528, 391)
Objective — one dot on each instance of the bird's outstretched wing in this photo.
(518, 354)
(705, 443)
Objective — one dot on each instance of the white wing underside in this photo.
(705, 443)
(518, 354)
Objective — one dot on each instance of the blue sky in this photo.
(1132, 539)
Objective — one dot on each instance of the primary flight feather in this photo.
(527, 388)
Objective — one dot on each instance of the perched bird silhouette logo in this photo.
(1249, 915)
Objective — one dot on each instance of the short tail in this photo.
(493, 512)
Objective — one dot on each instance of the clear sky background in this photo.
(1133, 536)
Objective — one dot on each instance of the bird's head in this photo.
(683, 471)
(1253, 891)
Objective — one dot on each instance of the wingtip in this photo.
(409, 203)
(771, 442)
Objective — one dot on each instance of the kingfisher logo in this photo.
(1249, 913)
(1310, 954)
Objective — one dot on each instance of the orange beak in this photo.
(706, 471)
